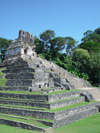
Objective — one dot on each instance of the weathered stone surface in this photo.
(20, 125)
(23, 45)
(68, 112)
(49, 98)
(88, 96)
(74, 117)
(43, 105)
(30, 113)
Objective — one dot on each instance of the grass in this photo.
(26, 117)
(27, 92)
(20, 92)
(3, 82)
(63, 91)
(1, 75)
(87, 125)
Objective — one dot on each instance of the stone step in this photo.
(42, 104)
(41, 75)
(24, 96)
(66, 102)
(21, 107)
(26, 75)
(11, 62)
(21, 67)
(19, 82)
(43, 121)
(15, 88)
(74, 117)
(21, 124)
(20, 76)
(45, 97)
(27, 82)
(24, 70)
(71, 111)
(41, 69)
(57, 115)
(27, 112)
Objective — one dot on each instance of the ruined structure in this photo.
(23, 45)
(33, 87)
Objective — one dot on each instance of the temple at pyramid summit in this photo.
(35, 89)
(23, 45)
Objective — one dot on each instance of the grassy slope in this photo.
(87, 125)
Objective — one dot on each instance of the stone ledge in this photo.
(44, 105)
(23, 70)
(30, 113)
(49, 98)
(75, 117)
(64, 113)
(21, 125)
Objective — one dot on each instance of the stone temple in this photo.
(23, 45)
(34, 89)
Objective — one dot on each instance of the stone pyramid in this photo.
(37, 94)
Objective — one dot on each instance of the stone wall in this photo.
(62, 96)
(20, 125)
(41, 104)
(64, 113)
(29, 113)
(48, 115)
(66, 103)
(74, 117)
(14, 88)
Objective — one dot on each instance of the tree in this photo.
(4, 43)
(57, 45)
(80, 58)
(91, 36)
(46, 37)
(97, 30)
(70, 44)
(39, 45)
(91, 46)
(94, 68)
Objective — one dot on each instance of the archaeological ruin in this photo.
(36, 94)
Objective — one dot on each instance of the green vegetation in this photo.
(9, 129)
(24, 117)
(83, 60)
(3, 82)
(63, 91)
(20, 92)
(87, 125)
(27, 92)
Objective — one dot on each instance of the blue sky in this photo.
(66, 17)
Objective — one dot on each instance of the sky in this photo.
(66, 17)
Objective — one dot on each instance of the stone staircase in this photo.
(36, 97)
